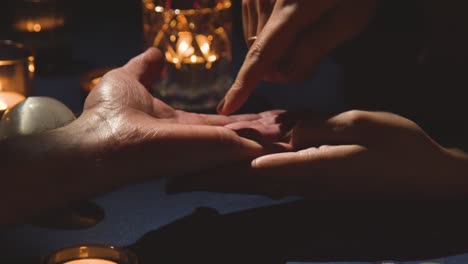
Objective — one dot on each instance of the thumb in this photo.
(146, 67)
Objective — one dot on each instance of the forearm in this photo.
(48, 170)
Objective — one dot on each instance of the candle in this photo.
(9, 99)
(91, 254)
(39, 24)
(16, 68)
(90, 261)
(194, 38)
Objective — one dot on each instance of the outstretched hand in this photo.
(142, 136)
(352, 155)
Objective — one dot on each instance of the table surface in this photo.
(228, 228)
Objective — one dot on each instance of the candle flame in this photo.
(212, 58)
(33, 27)
(3, 106)
(203, 43)
(184, 45)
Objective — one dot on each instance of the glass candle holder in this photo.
(41, 25)
(195, 39)
(16, 73)
(91, 254)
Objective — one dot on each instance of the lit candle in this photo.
(90, 261)
(92, 254)
(9, 99)
(194, 38)
(16, 68)
(39, 24)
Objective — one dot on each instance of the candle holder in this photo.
(16, 73)
(195, 39)
(91, 254)
(41, 25)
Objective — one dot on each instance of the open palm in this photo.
(140, 134)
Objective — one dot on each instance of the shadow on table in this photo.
(311, 231)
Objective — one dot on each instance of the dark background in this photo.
(411, 60)
(109, 33)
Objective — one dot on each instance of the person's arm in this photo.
(353, 155)
(291, 39)
(124, 135)
(51, 169)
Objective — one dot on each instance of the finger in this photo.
(146, 67)
(314, 172)
(347, 20)
(351, 127)
(245, 19)
(264, 9)
(251, 20)
(213, 141)
(268, 49)
(263, 134)
(220, 120)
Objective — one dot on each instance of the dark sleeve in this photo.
(413, 61)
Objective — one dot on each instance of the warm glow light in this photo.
(39, 24)
(193, 58)
(212, 58)
(90, 261)
(184, 44)
(175, 60)
(203, 43)
(31, 68)
(3, 106)
(205, 48)
(10, 99)
(96, 80)
(149, 5)
(159, 9)
(37, 27)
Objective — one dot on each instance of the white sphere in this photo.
(35, 115)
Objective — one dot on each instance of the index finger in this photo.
(270, 46)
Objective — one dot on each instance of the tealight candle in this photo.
(91, 254)
(90, 261)
(16, 69)
(39, 24)
(9, 99)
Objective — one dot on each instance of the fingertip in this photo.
(220, 107)
(258, 163)
(153, 53)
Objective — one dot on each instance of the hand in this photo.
(141, 136)
(353, 155)
(123, 136)
(292, 37)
